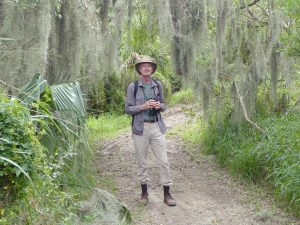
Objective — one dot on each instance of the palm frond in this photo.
(32, 91)
(68, 100)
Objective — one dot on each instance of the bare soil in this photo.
(205, 193)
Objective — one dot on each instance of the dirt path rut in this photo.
(204, 192)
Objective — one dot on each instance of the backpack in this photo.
(136, 86)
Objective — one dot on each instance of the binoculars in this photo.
(154, 99)
(153, 111)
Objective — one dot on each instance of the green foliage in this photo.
(290, 37)
(56, 116)
(107, 126)
(286, 98)
(68, 99)
(33, 90)
(264, 103)
(23, 200)
(48, 205)
(176, 83)
(58, 113)
(107, 96)
(272, 156)
(24, 4)
(142, 38)
(20, 150)
(114, 94)
(165, 83)
(96, 99)
(182, 97)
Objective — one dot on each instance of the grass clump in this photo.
(272, 156)
(184, 96)
(107, 126)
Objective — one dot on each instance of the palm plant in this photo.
(59, 115)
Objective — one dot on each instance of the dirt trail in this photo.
(204, 192)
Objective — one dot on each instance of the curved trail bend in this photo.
(204, 192)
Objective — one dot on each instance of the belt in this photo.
(151, 121)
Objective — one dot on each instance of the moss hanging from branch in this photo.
(24, 31)
(65, 51)
(232, 40)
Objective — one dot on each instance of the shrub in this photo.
(182, 97)
(30, 193)
(114, 94)
(20, 150)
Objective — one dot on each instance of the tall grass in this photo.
(185, 96)
(273, 156)
(107, 126)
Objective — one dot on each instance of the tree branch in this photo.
(252, 16)
(264, 11)
(245, 111)
(249, 5)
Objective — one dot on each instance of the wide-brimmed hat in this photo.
(145, 59)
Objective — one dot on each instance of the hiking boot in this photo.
(169, 200)
(144, 199)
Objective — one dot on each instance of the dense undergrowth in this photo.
(272, 156)
(44, 155)
(32, 187)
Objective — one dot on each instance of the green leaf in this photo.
(69, 97)
(32, 91)
(70, 105)
(6, 141)
(16, 165)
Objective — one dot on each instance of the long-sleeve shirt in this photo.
(133, 106)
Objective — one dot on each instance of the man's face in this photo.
(146, 69)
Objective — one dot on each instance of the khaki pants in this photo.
(152, 136)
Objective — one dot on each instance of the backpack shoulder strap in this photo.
(156, 82)
(136, 85)
(159, 89)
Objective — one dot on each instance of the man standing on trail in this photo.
(144, 102)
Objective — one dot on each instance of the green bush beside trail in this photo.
(30, 192)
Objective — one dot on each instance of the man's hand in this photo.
(151, 104)
(157, 105)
